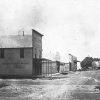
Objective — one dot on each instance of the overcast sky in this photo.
(69, 26)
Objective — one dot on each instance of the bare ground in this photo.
(74, 86)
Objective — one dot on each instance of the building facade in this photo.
(72, 62)
(37, 44)
(17, 53)
(50, 67)
(64, 68)
(95, 65)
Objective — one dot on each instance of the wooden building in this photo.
(72, 62)
(50, 67)
(64, 68)
(95, 65)
(17, 54)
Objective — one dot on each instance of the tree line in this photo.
(87, 62)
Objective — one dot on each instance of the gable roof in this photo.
(37, 32)
(15, 41)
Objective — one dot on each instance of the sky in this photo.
(68, 26)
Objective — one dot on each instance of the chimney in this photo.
(21, 32)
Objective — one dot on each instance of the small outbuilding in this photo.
(95, 65)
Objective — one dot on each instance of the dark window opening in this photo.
(35, 53)
(35, 56)
(1, 53)
(21, 52)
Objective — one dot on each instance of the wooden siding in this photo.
(12, 64)
(64, 68)
(49, 67)
(37, 44)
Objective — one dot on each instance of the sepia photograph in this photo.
(49, 50)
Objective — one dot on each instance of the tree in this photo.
(86, 63)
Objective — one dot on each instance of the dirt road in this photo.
(73, 86)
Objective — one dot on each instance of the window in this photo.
(1, 53)
(35, 56)
(35, 53)
(21, 52)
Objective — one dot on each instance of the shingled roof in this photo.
(15, 41)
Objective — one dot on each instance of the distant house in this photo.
(96, 65)
(64, 67)
(72, 62)
(17, 53)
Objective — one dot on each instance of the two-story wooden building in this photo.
(17, 54)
